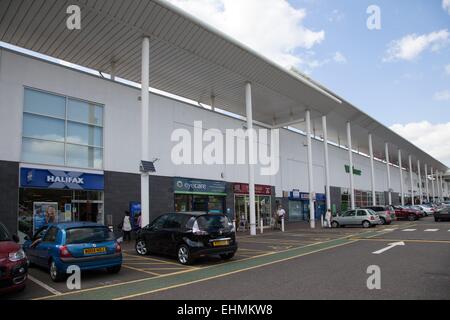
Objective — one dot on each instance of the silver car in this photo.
(360, 217)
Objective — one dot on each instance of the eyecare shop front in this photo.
(53, 196)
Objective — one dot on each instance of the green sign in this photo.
(356, 172)
(193, 186)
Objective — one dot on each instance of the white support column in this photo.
(251, 157)
(420, 182)
(388, 169)
(427, 189)
(327, 162)
(402, 191)
(438, 189)
(310, 171)
(411, 180)
(372, 171)
(350, 156)
(441, 192)
(432, 185)
(145, 85)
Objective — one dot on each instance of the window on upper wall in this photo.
(64, 131)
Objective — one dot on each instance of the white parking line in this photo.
(43, 285)
(431, 230)
(409, 230)
(388, 229)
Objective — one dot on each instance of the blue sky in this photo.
(396, 92)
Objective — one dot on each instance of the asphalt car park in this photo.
(162, 277)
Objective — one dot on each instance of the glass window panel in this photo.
(84, 134)
(39, 151)
(84, 157)
(43, 127)
(45, 103)
(84, 112)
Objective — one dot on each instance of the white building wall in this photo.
(122, 131)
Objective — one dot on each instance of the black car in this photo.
(442, 215)
(188, 236)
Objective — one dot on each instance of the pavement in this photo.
(298, 264)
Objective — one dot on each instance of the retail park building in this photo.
(75, 141)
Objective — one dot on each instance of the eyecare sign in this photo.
(57, 179)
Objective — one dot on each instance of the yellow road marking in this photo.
(230, 273)
(179, 268)
(157, 260)
(140, 270)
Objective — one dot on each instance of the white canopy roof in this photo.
(190, 59)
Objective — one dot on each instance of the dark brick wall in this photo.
(336, 197)
(123, 188)
(9, 194)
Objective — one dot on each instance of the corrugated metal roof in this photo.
(189, 59)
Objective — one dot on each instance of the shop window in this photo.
(59, 130)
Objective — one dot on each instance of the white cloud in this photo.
(443, 95)
(432, 138)
(446, 5)
(339, 58)
(272, 27)
(336, 16)
(412, 45)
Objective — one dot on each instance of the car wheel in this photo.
(141, 248)
(114, 270)
(383, 221)
(55, 274)
(227, 256)
(411, 217)
(335, 224)
(184, 255)
(366, 224)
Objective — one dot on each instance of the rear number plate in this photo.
(94, 250)
(221, 243)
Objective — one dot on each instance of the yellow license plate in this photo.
(94, 250)
(221, 243)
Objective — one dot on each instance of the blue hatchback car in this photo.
(90, 246)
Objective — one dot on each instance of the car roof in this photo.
(197, 213)
(71, 225)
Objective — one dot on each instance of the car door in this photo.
(153, 234)
(361, 215)
(43, 249)
(171, 233)
(30, 246)
(348, 218)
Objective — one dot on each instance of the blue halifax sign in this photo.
(57, 179)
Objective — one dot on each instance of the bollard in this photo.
(321, 220)
(234, 226)
(282, 224)
(262, 226)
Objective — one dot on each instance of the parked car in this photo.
(407, 213)
(13, 263)
(442, 215)
(386, 213)
(362, 217)
(427, 210)
(90, 246)
(188, 236)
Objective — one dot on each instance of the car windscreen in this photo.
(88, 235)
(371, 212)
(213, 222)
(4, 235)
(377, 209)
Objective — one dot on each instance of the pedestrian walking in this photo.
(328, 218)
(280, 215)
(126, 227)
